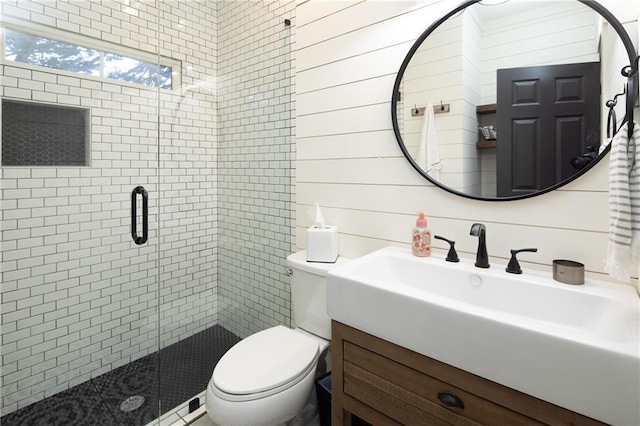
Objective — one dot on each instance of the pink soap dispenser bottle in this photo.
(421, 237)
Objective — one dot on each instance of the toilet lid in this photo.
(264, 360)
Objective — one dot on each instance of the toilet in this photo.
(267, 379)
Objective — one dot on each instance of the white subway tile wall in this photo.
(256, 143)
(78, 297)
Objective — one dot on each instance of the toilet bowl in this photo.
(267, 379)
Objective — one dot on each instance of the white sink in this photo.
(574, 346)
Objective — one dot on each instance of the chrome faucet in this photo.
(482, 257)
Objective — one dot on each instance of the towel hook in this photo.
(611, 122)
(630, 71)
(417, 112)
(613, 102)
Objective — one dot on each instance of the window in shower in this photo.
(98, 61)
(35, 134)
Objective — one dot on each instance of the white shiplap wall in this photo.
(349, 162)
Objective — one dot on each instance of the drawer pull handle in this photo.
(450, 400)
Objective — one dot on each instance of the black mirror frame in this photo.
(631, 72)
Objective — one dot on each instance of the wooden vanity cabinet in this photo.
(385, 384)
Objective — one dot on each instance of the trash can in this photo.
(323, 393)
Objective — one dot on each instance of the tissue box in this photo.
(322, 244)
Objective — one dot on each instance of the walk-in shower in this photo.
(146, 199)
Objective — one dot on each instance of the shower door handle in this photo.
(134, 215)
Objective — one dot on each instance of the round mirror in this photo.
(503, 101)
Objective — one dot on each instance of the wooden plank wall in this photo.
(347, 55)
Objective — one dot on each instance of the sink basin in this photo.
(574, 346)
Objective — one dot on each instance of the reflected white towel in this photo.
(428, 151)
(623, 252)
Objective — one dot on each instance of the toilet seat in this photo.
(265, 363)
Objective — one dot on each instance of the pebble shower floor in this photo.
(185, 369)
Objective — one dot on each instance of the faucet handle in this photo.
(514, 267)
(452, 256)
(477, 229)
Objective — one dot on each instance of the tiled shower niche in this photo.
(35, 134)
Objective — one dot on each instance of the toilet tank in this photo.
(309, 293)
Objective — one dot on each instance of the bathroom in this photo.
(269, 117)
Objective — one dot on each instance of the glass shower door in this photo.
(191, 338)
(80, 116)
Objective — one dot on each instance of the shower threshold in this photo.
(180, 415)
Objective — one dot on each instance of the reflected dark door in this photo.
(546, 116)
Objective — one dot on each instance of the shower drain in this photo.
(132, 403)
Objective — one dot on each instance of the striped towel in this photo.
(623, 253)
